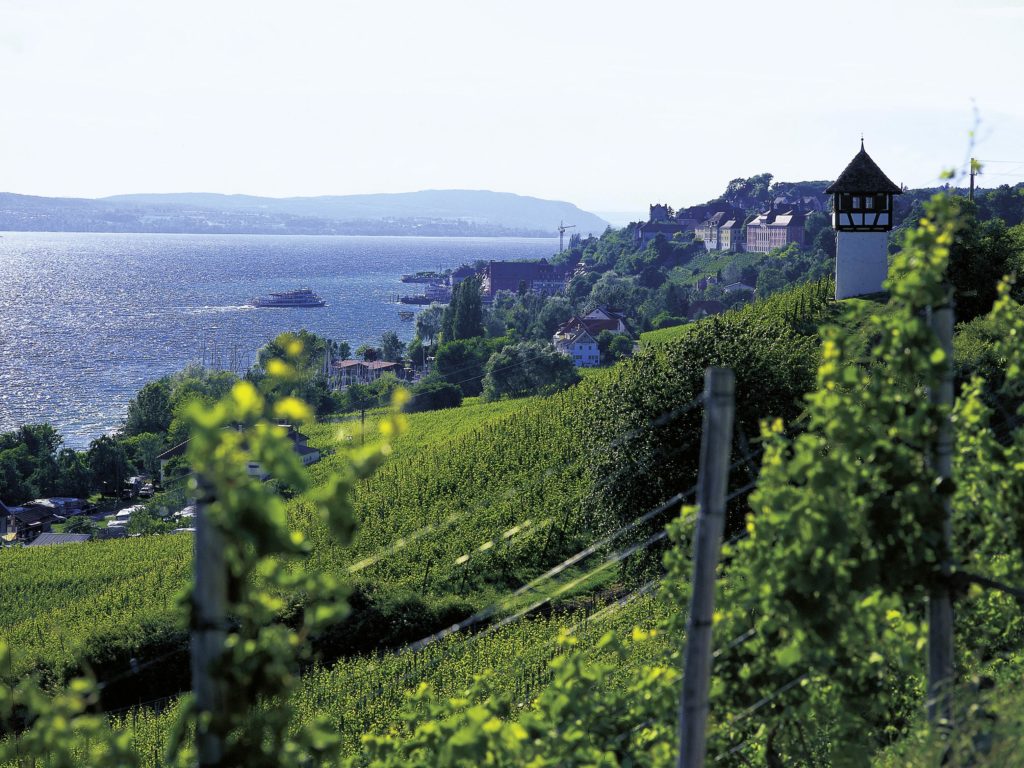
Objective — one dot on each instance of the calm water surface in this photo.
(87, 319)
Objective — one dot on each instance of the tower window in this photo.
(856, 202)
(869, 202)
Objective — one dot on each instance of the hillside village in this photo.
(697, 261)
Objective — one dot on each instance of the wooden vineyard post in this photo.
(940, 601)
(712, 484)
(209, 601)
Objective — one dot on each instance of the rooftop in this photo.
(863, 175)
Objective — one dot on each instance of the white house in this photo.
(582, 348)
(577, 336)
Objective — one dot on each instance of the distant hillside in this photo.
(431, 212)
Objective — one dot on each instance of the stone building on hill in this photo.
(711, 229)
(665, 222)
(775, 228)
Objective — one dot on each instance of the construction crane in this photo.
(562, 226)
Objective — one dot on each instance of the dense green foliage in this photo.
(463, 317)
(820, 622)
(433, 393)
(30, 463)
(528, 368)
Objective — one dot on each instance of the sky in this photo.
(609, 105)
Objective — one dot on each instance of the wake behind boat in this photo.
(301, 297)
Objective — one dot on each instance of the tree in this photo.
(432, 394)
(615, 292)
(73, 475)
(978, 260)
(651, 277)
(462, 362)
(1004, 202)
(28, 466)
(825, 241)
(340, 350)
(150, 409)
(14, 485)
(528, 368)
(770, 279)
(428, 323)
(361, 397)
(555, 311)
(621, 346)
(304, 351)
(367, 352)
(391, 347)
(416, 351)
(40, 439)
(463, 319)
(815, 224)
(108, 464)
(142, 450)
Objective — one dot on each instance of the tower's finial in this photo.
(862, 141)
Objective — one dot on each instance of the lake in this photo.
(87, 319)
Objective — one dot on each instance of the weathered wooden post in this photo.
(209, 601)
(940, 601)
(712, 484)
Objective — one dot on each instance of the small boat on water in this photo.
(405, 314)
(301, 297)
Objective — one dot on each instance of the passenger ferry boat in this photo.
(302, 297)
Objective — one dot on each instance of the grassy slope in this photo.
(468, 469)
(710, 263)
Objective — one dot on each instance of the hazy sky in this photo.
(610, 105)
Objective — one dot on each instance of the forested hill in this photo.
(430, 212)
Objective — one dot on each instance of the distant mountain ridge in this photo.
(429, 212)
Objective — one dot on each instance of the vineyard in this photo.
(367, 694)
(489, 530)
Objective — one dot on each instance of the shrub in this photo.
(434, 394)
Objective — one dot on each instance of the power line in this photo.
(408, 539)
(580, 556)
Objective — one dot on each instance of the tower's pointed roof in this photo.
(863, 175)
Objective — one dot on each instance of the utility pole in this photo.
(940, 601)
(712, 484)
(209, 602)
(973, 173)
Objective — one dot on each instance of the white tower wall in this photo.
(862, 263)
